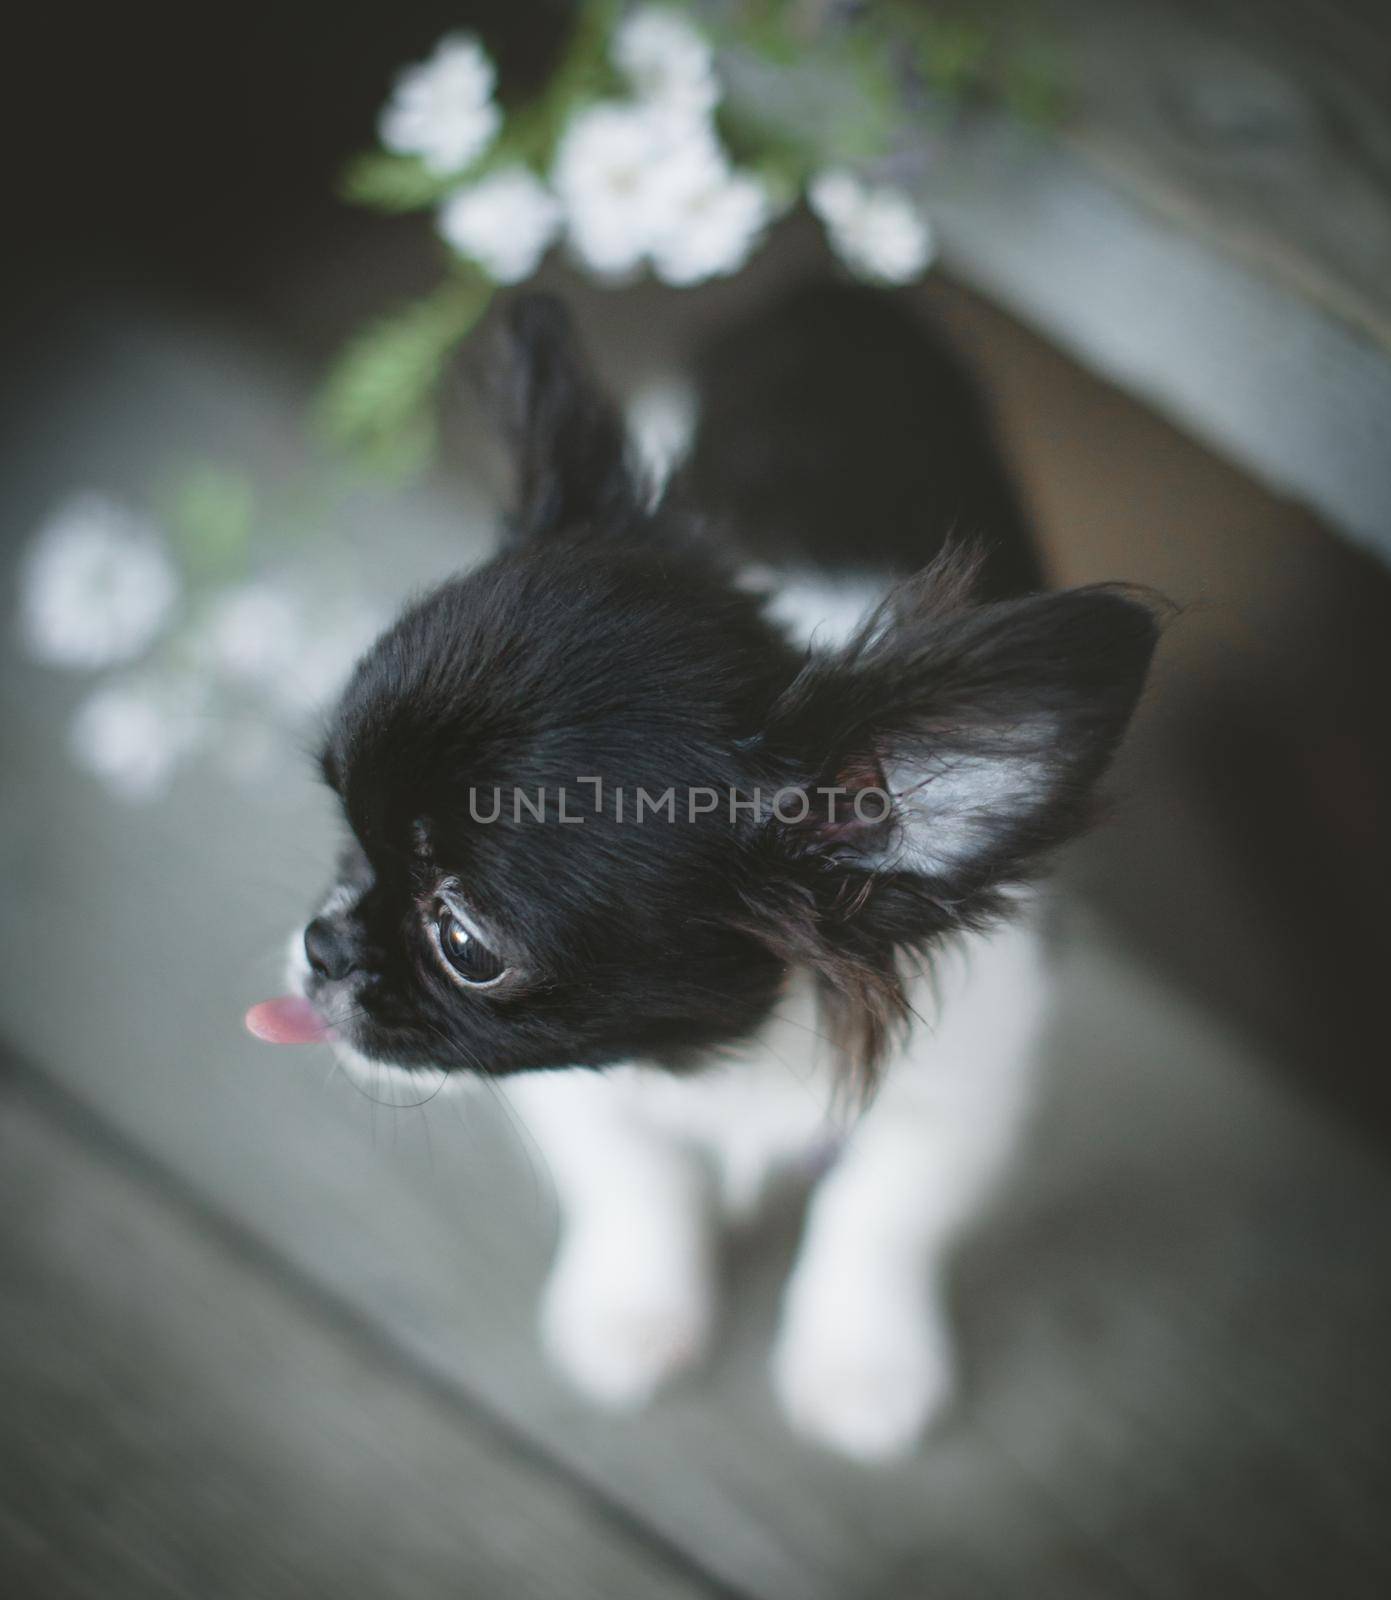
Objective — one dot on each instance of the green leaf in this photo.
(392, 183)
(583, 73)
(211, 515)
(1034, 86)
(951, 54)
(379, 399)
(868, 132)
(768, 28)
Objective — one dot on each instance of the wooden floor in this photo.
(1174, 1324)
(262, 1337)
(185, 1415)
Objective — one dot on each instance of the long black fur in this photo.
(611, 641)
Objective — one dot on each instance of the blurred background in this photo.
(261, 1335)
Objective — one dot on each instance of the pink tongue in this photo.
(289, 1020)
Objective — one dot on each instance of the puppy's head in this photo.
(600, 807)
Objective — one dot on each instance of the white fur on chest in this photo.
(757, 1108)
(774, 1102)
(765, 1106)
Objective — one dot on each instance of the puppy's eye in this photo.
(468, 957)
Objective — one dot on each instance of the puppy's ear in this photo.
(939, 757)
(567, 438)
(965, 740)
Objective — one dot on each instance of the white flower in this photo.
(504, 222)
(252, 631)
(97, 585)
(667, 61)
(442, 109)
(879, 233)
(638, 185)
(603, 174)
(720, 218)
(131, 734)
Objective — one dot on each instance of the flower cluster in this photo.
(99, 589)
(645, 179)
(641, 180)
(878, 232)
(622, 156)
(443, 110)
(640, 184)
(97, 585)
(505, 222)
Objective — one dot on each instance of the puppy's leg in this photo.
(630, 1296)
(863, 1359)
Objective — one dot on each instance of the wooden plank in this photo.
(1261, 128)
(1286, 391)
(177, 1422)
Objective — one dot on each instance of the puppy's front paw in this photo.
(619, 1340)
(868, 1392)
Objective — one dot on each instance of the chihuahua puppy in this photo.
(706, 823)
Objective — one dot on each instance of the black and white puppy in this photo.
(708, 827)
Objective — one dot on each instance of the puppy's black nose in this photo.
(329, 950)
